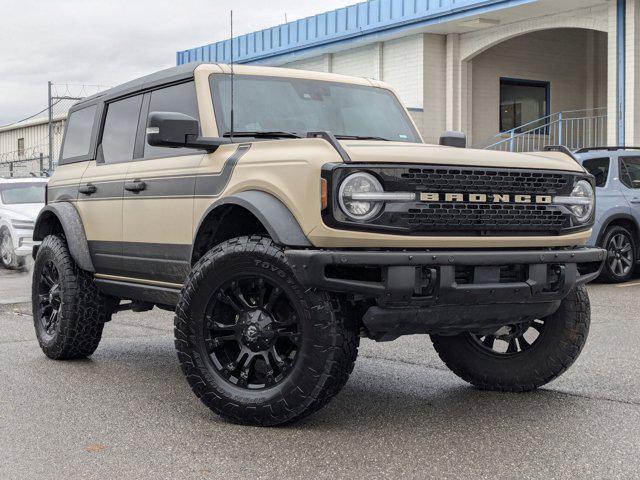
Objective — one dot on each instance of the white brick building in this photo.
(540, 71)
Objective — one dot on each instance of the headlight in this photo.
(356, 184)
(581, 202)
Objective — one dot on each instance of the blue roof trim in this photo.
(357, 20)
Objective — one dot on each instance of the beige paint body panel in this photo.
(289, 170)
(102, 218)
(158, 219)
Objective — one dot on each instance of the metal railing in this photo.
(574, 129)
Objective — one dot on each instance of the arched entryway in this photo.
(559, 73)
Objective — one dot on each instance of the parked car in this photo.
(21, 199)
(617, 222)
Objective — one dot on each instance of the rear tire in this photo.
(522, 367)
(255, 347)
(69, 312)
(8, 256)
(621, 255)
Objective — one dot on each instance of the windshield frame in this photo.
(219, 114)
(17, 186)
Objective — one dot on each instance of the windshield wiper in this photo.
(360, 137)
(274, 134)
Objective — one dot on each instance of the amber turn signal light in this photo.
(324, 196)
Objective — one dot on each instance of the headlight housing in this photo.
(581, 202)
(359, 183)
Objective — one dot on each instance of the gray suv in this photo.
(617, 173)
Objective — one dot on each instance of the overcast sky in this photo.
(107, 42)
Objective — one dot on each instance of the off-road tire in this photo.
(14, 262)
(324, 362)
(546, 360)
(608, 275)
(83, 309)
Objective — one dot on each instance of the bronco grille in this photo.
(436, 215)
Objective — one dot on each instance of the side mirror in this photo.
(453, 139)
(177, 130)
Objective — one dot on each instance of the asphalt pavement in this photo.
(128, 413)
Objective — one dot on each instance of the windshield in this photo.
(17, 193)
(298, 106)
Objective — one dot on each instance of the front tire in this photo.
(8, 256)
(521, 358)
(621, 255)
(69, 312)
(255, 347)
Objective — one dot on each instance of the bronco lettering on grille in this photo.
(485, 198)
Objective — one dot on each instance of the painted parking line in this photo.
(627, 285)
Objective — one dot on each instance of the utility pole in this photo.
(50, 106)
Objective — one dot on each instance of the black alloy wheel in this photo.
(255, 345)
(251, 332)
(511, 340)
(49, 297)
(521, 357)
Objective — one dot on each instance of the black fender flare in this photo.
(73, 229)
(276, 218)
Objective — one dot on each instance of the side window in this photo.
(120, 128)
(178, 98)
(630, 171)
(599, 168)
(77, 140)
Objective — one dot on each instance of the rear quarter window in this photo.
(77, 140)
(599, 168)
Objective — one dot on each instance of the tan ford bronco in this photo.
(284, 214)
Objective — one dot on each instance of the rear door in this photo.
(630, 180)
(102, 185)
(159, 196)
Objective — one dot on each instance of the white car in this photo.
(21, 199)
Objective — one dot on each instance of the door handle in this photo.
(635, 200)
(136, 186)
(88, 189)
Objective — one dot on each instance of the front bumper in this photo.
(23, 242)
(450, 292)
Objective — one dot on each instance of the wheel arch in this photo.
(256, 212)
(623, 220)
(63, 218)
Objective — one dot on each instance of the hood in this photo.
(22, 211)
(362, 151)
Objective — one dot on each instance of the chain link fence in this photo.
(25, 146)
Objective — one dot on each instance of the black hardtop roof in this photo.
(168, 75)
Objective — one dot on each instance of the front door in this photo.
(159, 196)
(101, 189)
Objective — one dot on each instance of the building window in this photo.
(21, 147)
(522, 102)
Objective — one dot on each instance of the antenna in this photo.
(232, 80)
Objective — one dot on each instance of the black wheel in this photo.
(621, 255)
(256, 347)
(69, 312)
(8, 256)
(519, 358)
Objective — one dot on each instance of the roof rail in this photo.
(605, 149)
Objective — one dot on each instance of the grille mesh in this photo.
(462, 216)
(484, 181)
